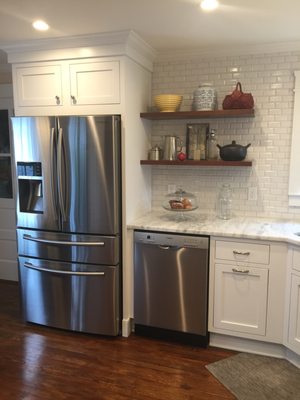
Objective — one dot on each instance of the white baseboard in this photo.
(254, 346)
(247, 345)
(293, 358)
(126, 327)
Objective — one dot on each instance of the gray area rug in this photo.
(254, 377)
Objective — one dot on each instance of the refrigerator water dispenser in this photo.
(30, 187)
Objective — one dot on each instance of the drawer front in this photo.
(243, 252)
(77, 248)
(73, 296)
(296, 260)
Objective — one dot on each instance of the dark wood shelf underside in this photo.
(198, 114)
(200, 163)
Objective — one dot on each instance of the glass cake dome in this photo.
(180, 201)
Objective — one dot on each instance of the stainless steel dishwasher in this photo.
(171, 286)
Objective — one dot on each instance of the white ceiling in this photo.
(164, 24)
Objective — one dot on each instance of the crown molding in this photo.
(222, 51)
(96, 39)
(82, 46)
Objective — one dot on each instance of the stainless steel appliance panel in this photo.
(69, 220)
(171, 282)
(76, 297)
(34, 141)
(92, 249)
(89, 155)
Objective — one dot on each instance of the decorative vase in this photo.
(205, 98)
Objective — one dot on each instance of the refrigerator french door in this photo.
(69, 221)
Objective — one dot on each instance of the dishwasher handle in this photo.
(167, 247)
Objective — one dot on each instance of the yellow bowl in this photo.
(168, 102)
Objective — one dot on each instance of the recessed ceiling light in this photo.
(209, 5)
(40, 25)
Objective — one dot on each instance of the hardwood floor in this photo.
(39, 363)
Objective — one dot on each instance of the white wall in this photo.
(269, 77)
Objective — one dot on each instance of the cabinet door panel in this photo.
(95, 83)
(294, 321)
(240, 303)
(39, 85)
(296, 260)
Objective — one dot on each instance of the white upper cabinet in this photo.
(66, 86)
(38, 85)
(96, 82)
(81, 75)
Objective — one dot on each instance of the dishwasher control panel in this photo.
(171, 239)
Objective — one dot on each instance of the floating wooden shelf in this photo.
(198, 114)
(200, 163)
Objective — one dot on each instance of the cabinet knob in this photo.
(73, 99)
(57, 98)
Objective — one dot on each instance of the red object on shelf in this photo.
(181, 156)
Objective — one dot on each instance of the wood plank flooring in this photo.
(39, 363)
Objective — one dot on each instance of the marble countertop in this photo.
(196, 223)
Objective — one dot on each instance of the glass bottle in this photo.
(224, 202)
(212, 149)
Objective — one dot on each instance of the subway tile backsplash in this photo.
(270, 79)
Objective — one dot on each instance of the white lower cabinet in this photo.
(247, 288)
(240, 300)
(294, 315)
(292, 326)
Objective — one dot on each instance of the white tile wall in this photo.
(270, 79)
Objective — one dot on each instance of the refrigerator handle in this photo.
(62, 242)
(62, 272)
(59, 175)
(53, 186)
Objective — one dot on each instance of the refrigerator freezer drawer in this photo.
(91, 249)
(76, 297)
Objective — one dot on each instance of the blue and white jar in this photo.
(205, 98)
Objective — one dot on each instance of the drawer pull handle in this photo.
(241, 253)
(241, 271)
(61, 242)
(62, 272)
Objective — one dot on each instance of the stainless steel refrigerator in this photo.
(69, 221)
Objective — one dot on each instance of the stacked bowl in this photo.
(168, 102)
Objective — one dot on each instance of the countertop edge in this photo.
(275, 230)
